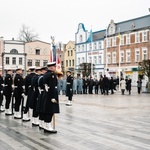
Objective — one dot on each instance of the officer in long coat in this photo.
(28, 92)
(33, 104)
(40, 102)
(8, 91)
(1, 94)
(69, 88)
(18, 91)
(51, 101)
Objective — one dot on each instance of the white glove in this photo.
(46, 88)
(1, 92)
(23, 94)
(53, 100)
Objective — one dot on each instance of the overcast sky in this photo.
(60, 18)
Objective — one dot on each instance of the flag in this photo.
(58, 64)
(90, 38)
(51, 56)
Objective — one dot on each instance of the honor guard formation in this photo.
(40, 87)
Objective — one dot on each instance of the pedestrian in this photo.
(8, 91)
(122, 85)
(111, 83)
(139, 85)
(106, 85)
(51, 99)
(18, 92)
(69, 88)
(129, 81)
(1, 93)
(28, 93)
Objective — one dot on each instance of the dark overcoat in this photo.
(50, 80)
(69, 86)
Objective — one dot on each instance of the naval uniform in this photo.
(1, 92)
(69, 86)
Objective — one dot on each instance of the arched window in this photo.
(14, 51)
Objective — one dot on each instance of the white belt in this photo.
(68, 83)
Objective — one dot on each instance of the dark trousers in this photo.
(48, 118)
(35, 113)
(41, 116)
(139, 90)
(8, 99)
(1, 98)
(70, 98)
(122, 91)
(17, 103)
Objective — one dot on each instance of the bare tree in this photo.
(27, 34)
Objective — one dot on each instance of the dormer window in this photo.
(80, 38)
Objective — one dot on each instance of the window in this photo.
(66, 63)
(73, 62)
(128, 56)
(114, 57)
(95, 46)
(81, 38)
(82, 59)
(29, 62)
(122, 56)
(100, 59)
(108, 42)
(95, 60)
(108, 58)
(45, 62)
(14, 60)
(37, 51)
(7, 60)
(68, 53)
(20, 60)
(82, 47)
(78, 61)
(114, 41)
(90, 47)
(122, 40)
(99, 45)
(137, 55)
(69, 62)
(79, 48)
(128, 39)
(144, 53)
(144, 36)
(14, 51)
(37, 62)
(90, 59)
(71, 52)
(137, 37)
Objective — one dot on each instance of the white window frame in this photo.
(137, 37)
(108, 58)
(128, 56)
(144, 36)
(114, 41)
(128, 39)
(90, 59)
(113, 57)
(108, 42)
(121, 39)
(144, 53)
(99, 59)
(122, 57)
(99, 45)
(95, 60)
(137, 55)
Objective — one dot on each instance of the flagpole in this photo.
(91, 53)
(119, 67)
(106, 52)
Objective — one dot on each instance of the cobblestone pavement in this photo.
(93, 122)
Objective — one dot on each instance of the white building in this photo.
(90, 52)
(13, 55)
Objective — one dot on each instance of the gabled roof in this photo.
(133, 24)
(38, 41)
(98, 35)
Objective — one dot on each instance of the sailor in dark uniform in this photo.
(40, 102)
(34, 84)
(18, 92)
(69, 86)
(28, 92)
(51, 101)
(1, 94)
(8, 91)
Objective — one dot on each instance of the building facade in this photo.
(38, 53)
(69, 56)
(126, 44)
(90, 51)
(13, 55)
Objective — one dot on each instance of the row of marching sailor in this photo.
(42, 97)
(7, 90)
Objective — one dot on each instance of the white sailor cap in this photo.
(32, 68)
(51, 64)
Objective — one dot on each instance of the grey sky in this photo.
(60, 18)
